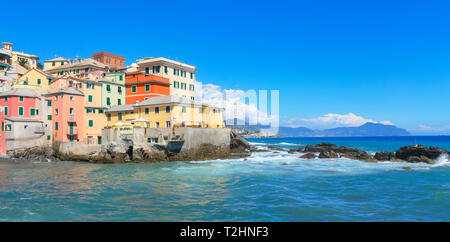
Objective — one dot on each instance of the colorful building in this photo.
(35, 79)
(113, 61)
(167, 112)
(54, 63)
(16, 56)
(180, 75)
(74, 68)
(113, 89)
(94, 118)
(27, 118)
(140, 86)
(68, 114)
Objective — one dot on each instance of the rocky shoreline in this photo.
(411, 154)
(238, 148)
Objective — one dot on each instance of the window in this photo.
(167, 109)
(156, 110)
(133, 88)
(56, 111)
(149, 140)
(108, 88)
(192, 75)
(147, 70)
(38, 81)
(56, 125)
(86, 69)
(165, 69)
(200, 110)
(120, 78)
(119, 116)
(62, 62)
(6, 99)
(108, 116)
(119, 89)
(49, 103)
(56, 98)
(48, 137)
(20, 99)
(32, 112)
(157, 124)
(99, 140)
(89, 110)
(147, 110)
(119, 102)
(91, 123)
(183, 109)
(167, 124)
(155, 69)
(49, 117)
(108, 101)
(71, 98)
(101, 111)
(6, 111)
(191, 87)
(147, 87)
(90, 98)
(71, 111)
(53, 63)
(21, 111)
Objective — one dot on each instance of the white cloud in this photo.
(332, 120)
(429, 129)
(235, 104)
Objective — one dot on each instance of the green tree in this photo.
(39, 66)
(23, 62)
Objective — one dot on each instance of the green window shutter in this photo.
(133, 89)
(48, 137)
(90, 98)
(49, 117)
(38, 81)
(101, 111)
(167, 109)
(49, 103)
(149, 140)
(192, 75)
(6, 99)
(119, 116)
(183, 109)
(62, 62)
(147, 111)
(108, 88)
(86, 70)
(20, 99)
(120, 78)
(119, 89)
(56, 125)
(53, 63)
(99, 140)
(108, 101)
(6, 111)
(147, 87)
(108, 116)
(21, 111)
(157, 110)
(119, 102)
(91, 123)
(147, 70)
(32, 112)
(165, 69)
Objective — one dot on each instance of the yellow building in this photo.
(166, 112)
(35, 79)
(54, 63)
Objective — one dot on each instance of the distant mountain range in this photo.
(367, 129)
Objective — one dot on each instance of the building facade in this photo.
(16, 56)
(140, 87)
(114, 62)
(35, 79)
(166, 112)
(113, 89)
(68, 115)
(180, 75)
(74, 68)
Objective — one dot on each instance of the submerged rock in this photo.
(296, 150)
(308, 156)
(328, 154)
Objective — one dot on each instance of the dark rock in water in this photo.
(239, 144)
(407, 168)
(384, 156)
(359, 155)
(308, 156)
(296, 150)
(328, 154)
(320, 147)
(419, 152)
(416, 159)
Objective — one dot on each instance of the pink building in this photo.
(2, 133)
(68, 114)
(25, 121)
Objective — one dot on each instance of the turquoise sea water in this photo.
(267, 186)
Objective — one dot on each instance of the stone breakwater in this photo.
(412, 154)
(237, 148)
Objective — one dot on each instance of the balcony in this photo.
(72, 130)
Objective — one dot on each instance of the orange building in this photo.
(140, 86)
(111, 60)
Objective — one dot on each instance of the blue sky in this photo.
(380, 60)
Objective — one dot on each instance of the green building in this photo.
(113, 89)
